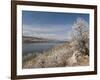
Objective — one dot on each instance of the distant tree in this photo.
(80, 36)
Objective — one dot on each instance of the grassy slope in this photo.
(58, 56)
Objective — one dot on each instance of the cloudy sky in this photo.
(49, 24)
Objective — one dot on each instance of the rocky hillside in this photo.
(58, 56)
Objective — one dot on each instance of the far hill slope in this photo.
(36, 39)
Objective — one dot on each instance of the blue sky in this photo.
(49, 24)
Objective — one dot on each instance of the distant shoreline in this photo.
(45, 41)
(28, 39)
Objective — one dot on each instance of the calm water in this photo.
(37, 47)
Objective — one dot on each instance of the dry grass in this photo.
(58, 56)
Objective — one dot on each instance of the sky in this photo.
(52, 25)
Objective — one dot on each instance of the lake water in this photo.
(37, 47)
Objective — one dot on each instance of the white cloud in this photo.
(47, 31)
(45, 28)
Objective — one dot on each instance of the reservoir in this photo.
(38, 47)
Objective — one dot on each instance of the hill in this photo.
(58, 56)
(29, 39)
